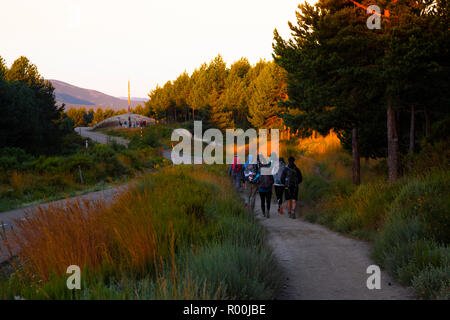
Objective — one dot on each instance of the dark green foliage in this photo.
(14, 158)
(29, 117)
(342, 76)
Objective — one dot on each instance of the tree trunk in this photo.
(412, 137)
(193, 114)
(393, 145)
(356, 158)
(412, 131)
(427, 123)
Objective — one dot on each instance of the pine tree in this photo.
(329, 62)
(265, 91)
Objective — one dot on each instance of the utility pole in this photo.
(129, 97)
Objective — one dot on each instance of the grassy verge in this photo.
(408, 221)
(155, 136)
(177, 234)
(27, 179)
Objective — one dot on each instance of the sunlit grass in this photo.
(154, 236)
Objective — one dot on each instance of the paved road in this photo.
(99, 137)
(318, 263)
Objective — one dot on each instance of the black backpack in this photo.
(250, 173)
(291, 178)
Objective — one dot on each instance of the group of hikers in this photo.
(284, 178)
(131, 124)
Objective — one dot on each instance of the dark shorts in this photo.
(291, 193)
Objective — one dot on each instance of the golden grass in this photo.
(144, 226)
(318, 145)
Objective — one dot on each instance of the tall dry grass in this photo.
(157, 241)
(138, 231)
(320, 146)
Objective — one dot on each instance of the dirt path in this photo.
(318, 263)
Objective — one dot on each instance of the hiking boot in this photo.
(293, 215)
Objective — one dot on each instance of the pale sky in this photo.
(98, 44)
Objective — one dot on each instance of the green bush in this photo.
(427, 198)
(433, 283)
(314, 188)
(107, 162)
(49, 164)
(71, 144)
(241, 272)
(413, 244)
(14, 158)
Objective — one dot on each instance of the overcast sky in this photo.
(99, 44)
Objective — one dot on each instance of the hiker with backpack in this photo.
(278, 184)
(236, 172)
(251, 178)
(265, 193)
(291, 178)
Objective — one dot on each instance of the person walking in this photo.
(278, 185)
(251, 177)
(265, 193)
(291, 178)
(236, 172)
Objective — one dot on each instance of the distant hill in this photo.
(76, 97)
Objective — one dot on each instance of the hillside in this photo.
(76, 97)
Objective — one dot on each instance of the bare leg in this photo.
(293, 208)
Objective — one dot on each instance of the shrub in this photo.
(71, 143)
(14, 158)
(425, 198)
(80, 159)
(314, 188)
(241, 272)
(49, 164)
(107, 162)
(413, 244)
(433, 283)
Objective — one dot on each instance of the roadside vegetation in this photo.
(408, 220)
(155, 136)
(178, 233)
(26, 179)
